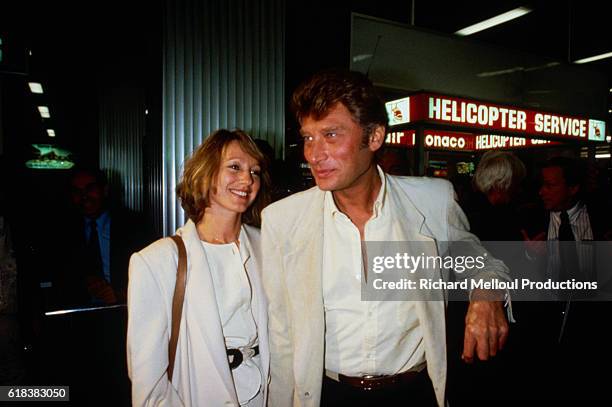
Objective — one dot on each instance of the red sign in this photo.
(442, 140)
(455, 141)
(463, 112)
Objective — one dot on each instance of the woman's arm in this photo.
(147, 339)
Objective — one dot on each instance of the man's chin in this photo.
(325, 186)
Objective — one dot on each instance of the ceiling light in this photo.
(493, 21)
(606, 155)
(35, 87)
(51, 132)
(594, 58)
(44, 112)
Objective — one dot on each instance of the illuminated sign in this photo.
(455, 141)
(400, 138)
(597, 130)
(398, 111)
(448, 141)
(469, 113)
(49, 157)
(492, 142)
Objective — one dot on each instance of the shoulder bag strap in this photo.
(177, 301)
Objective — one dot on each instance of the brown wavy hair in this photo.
(317, 95)
(201, 169)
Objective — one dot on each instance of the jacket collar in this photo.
(200, 295)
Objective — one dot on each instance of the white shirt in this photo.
(364, 337)
(234, 298)
(579, 221)
(581, 227)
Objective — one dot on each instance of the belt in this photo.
(372, 382)
(237, 355)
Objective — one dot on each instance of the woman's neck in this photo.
(219, 228)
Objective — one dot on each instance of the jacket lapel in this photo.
(413, 225)
(303, 262)
(200, 308)
(249, 248)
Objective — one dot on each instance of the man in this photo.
(100, 239)
(328, 346)
(568, 340)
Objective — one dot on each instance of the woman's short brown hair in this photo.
(201, 169)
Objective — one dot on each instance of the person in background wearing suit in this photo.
(572, 340)
(223, 188)
(100, 237)
(327, 346)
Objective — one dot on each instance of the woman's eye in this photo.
(234, 167)
(255, 172)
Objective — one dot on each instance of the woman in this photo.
(223, 188)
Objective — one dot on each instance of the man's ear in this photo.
(377, 138)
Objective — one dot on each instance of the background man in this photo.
(567, 337)
(327, 345)
(97, 239)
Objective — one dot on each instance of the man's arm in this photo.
(486, 327)
(281, 388)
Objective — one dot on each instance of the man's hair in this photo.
(498, 170)
(572, 170)
(201, 169)
(97, 174)
(321, 92)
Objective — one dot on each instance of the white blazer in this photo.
(201, 375)
(292, 242)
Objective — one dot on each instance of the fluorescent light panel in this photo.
(594, 58)
(51, 132)
(35, 87)
(44, 112)
(493, 21)
(605, 155)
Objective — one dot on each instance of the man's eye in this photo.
(330, 134)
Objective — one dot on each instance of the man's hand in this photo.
(536, 245)
(100, 289)
(486, 330)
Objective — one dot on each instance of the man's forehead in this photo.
(337, 108)
(83, 179)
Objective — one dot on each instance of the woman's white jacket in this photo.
(201, 372)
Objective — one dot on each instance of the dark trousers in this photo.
(417, 393)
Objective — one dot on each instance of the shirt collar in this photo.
(573, 212)
(100, 220)
(330, 204)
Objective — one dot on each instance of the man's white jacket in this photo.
(292, 242)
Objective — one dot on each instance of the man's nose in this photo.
(316, 151)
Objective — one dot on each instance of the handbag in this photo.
(177, 301)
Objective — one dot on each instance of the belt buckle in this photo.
(247, 353)
(237, 358)
(368, 383)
